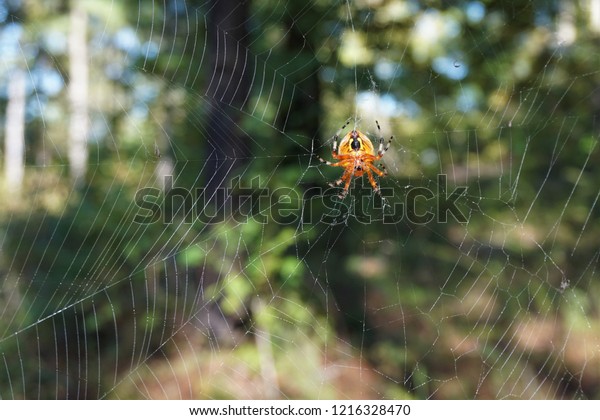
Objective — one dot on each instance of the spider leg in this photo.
(372, 180)
(337, 134)
(384, 170)
(336, 137)
(382, 150)
(380, 172)
(340, 163)
(345, 179)
(381, 164)
(338, 181)
(348, 176)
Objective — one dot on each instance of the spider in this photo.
(356, 155)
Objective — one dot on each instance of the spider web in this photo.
(257, 281)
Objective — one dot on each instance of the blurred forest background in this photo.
(99, 99)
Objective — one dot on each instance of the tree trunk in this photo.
(304, 115)
(594, 15)
(15, 133)
(226, 146)
(78, 94)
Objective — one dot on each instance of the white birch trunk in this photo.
(78, 94)
(567, 31)
(14, 153)
(594, 10)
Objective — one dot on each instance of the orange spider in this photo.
(356, 155)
